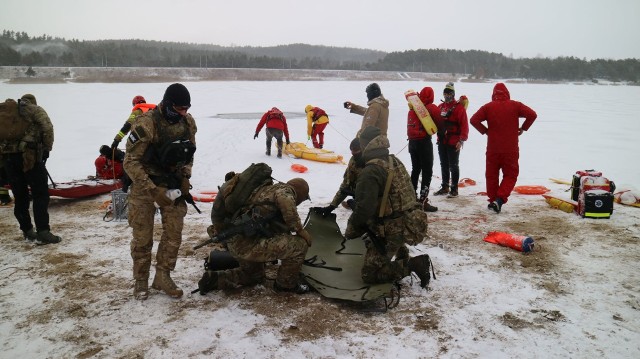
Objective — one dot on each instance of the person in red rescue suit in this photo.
(453, 130)
(159, 157)
(421, 148)
(317, 120)
(140, 106)
(502, 129)
(276, 127)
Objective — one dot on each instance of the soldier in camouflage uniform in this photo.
(348, 185)
(387, 232)
(25, 167)
(277, 201)
(159, 157)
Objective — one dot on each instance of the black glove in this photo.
(347, 105)
(114, 145)
(45, 155)
(288, 142)
(325, 211)
(255, 136)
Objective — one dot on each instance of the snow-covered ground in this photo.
(577, 295)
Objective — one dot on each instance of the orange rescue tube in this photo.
(204, 196)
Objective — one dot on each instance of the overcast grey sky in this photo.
(520, 28)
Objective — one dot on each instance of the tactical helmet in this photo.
(308, 108)
(138, 99)
(301, 187)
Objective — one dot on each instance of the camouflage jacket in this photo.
(281, 198)
(146, 133)
(348, 184)
(370, 190)
(38, 132)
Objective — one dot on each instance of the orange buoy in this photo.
(299, 168)
(519, 243)
(531, 189)
(204, 196)
(464, 182)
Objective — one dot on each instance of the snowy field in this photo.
(576, 296)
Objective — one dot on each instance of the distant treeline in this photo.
(19, 49)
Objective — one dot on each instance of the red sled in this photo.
(84, 188)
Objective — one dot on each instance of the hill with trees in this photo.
(20, 49)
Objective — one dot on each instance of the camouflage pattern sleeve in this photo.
(140, 139)
(347, 185)
(285, 200)
(369, 188)
(187, 170)
(45, 126)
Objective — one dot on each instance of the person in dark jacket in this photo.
(502, 129)
(276, 127)
(421, 148)
(385, 220)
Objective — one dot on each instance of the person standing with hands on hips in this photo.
(503, 129)
(453, 130)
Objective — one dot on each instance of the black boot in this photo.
(420, 266)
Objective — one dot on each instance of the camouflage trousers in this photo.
(141, 220)
(253, 253)
(378, 267)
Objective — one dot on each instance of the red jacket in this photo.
(454, 126)
(274, 118)
(415, 129)
(502, 115)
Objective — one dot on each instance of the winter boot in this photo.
(162, 281)
(141, 289)
(30, 235)
(427, 207)
(208, 282)
(453, 193)
(420, 266)
(279, 153)
(442, 191)
(46, 237)
(268, 151)
(496, 205)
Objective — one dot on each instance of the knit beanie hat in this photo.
(29, 97)
(368, 134)
(373, 91)
(449, 88)
(177, 95)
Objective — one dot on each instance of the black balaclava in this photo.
(175, 95)
(373, 91)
